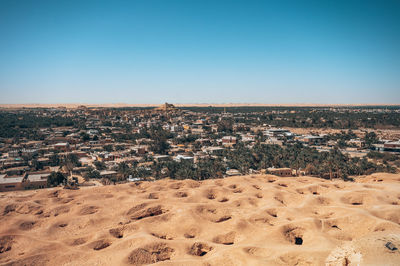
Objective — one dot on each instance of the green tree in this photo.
(100, 165)
(370, 138)
(56, 178)
(92, 173)
(124, 170)
(84, 136)
(159, 137)
(108, 148)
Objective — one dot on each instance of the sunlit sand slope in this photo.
(246, 220)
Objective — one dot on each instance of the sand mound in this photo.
(6, 243)
(88, 210)
(242, 220)
(150, 254)
(199, 249)
(226, 239)
(144, 213)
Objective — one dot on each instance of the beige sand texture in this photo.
(243, 220)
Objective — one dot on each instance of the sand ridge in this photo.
(243, 220)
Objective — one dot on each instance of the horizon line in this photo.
(120, 105)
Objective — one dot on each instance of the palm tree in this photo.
(123, 170)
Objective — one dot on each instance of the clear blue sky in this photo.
(195, 51)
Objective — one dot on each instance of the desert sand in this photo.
(242, 220)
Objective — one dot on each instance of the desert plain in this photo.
(241, 220)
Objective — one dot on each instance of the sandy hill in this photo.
(245, 220)
(166, 107)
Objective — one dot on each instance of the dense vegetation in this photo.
(314, 117)
(27, 124)
(55, 179)
(333, 164)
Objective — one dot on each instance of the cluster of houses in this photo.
(393, 146)
(104, 139)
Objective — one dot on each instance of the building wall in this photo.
(11, 187)
(281, 172)
(23, 186)
(35, 185)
